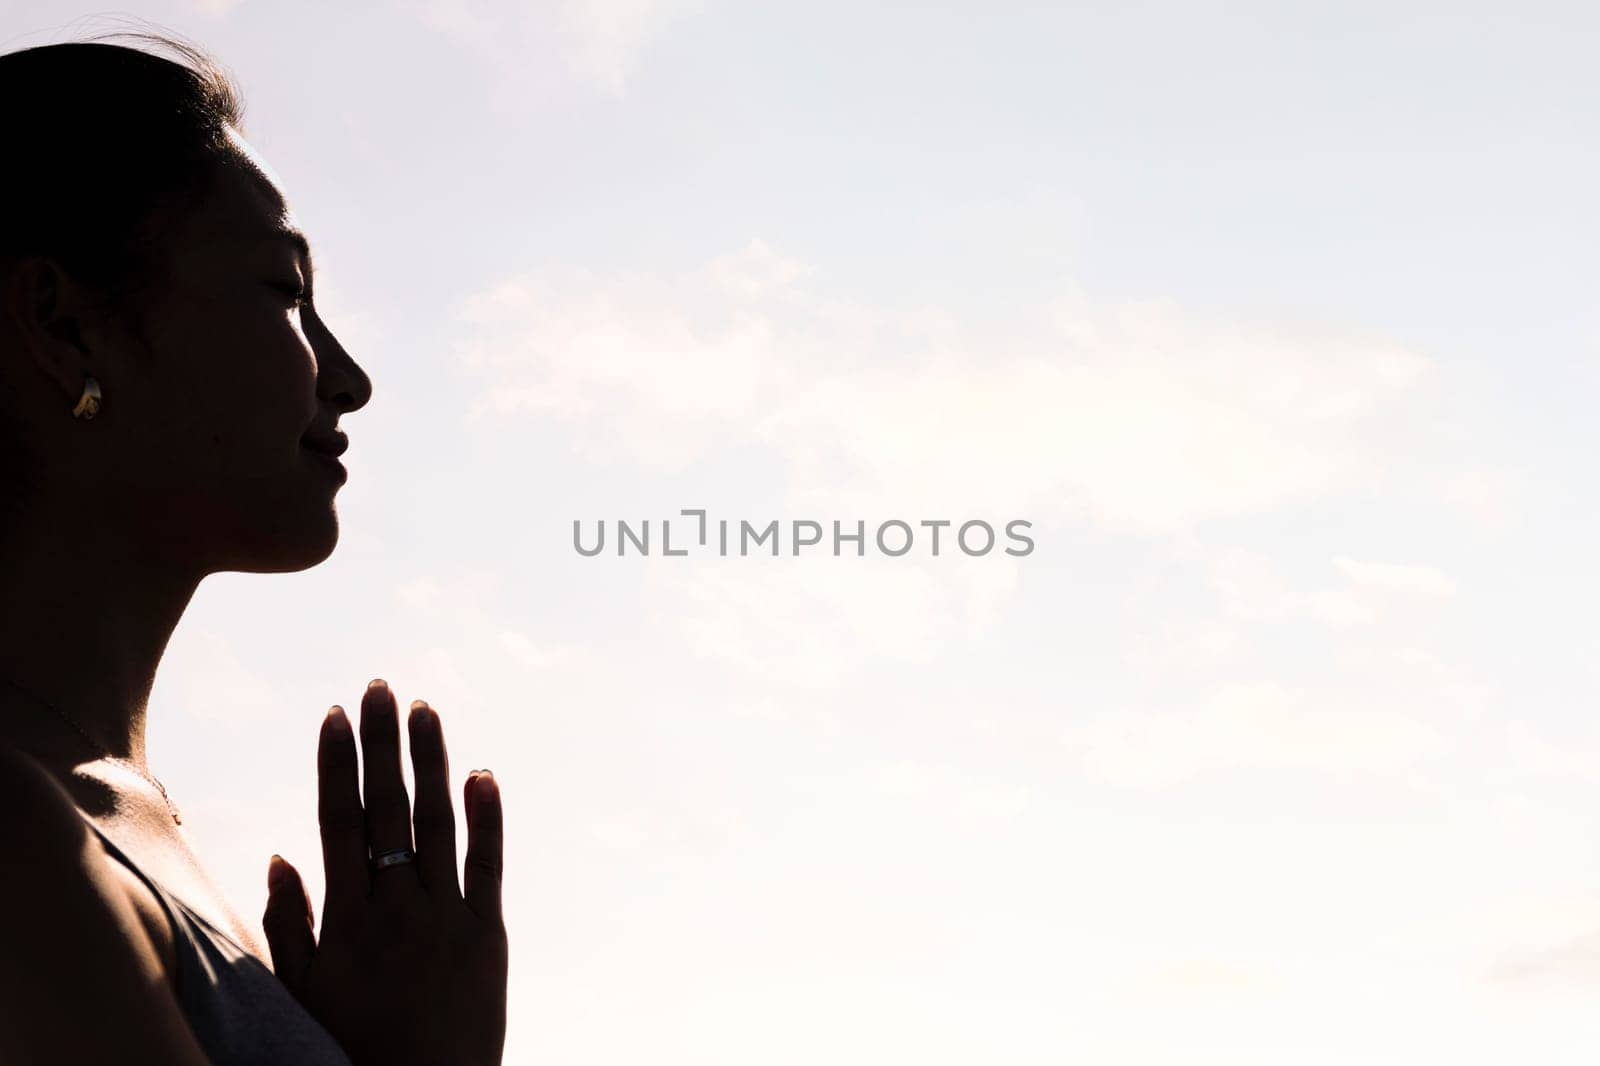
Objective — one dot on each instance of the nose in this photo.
(340, 379)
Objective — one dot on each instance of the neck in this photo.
(84, 621)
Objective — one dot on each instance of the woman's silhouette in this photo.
(169, 408)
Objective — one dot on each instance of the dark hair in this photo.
(102, 139)
(105, 143)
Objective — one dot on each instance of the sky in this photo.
(1277, 322)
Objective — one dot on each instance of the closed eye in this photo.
(294, 291)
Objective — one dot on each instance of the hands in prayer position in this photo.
(411, 963)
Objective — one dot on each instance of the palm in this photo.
(410, 968)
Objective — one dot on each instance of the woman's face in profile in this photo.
(227, 404)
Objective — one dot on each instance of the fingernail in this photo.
(377, 682)
(483, 785)
(419, 705)
(336, 717)
(277, 871)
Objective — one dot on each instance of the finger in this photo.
(382, 787)
(339, 813)
(287, 923)
(432, 818)
(485, 846)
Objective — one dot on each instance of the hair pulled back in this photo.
(103, 140)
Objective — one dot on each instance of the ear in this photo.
(48, 311)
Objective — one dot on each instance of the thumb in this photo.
(287, 923)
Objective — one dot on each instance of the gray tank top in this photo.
(239, 1010)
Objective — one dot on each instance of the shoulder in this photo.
(64, 865)
(64, 900)
(47, 835)
(31, 799)
(44, 831)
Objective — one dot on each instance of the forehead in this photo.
(245, 205)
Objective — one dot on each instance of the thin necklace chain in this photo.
(105, 753)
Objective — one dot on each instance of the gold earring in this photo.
(89, 402)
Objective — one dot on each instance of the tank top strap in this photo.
(188, 952)
(238, 1010)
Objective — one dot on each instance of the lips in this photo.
(332, 445)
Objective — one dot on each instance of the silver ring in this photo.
(393, 857)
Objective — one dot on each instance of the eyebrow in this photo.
(285, 232)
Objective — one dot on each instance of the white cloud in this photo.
(965, 799)
(606, 37)
(813, 621)
(1577, 960)
(1187, 979)
(757, 270)
(529, 653)
(1489, 496)
(1256, 725)
(1390, 577)
(601, 41)
(459, 599)
(1185, 646)
(1138, 417)
(1339, 608)
(463, 20)
(1251, 588)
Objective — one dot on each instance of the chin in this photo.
(266, 532)
(287, 546)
